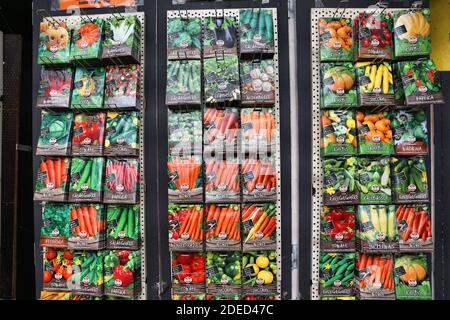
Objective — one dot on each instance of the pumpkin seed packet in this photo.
(88, 134)
(412, 276)
(421, 82)
(122, 39)
(52, 181)
(258, 82)
(373, 180)
(374, 133)
(86, 179)
(375, 84)
(54, 88)
(409, 180)
(55, 228)
(219, 36)
(89, 85)
(338, 85)
(54, 43)
(55, 134)
(410, 132)
(87, 227)
(184, 36)
(336, 40)
(412, 33)
(339, 183)
(87, 41)
(374, 277)
(338, 229)
(223, 272)
(259, 272)
(221, 79)
(183, 82)
(414, 228)
(256, 31)
(122, 133)
(399, 93)
(336, 274)
(338, 134)
(122, 86)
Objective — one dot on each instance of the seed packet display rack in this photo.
(317, 167)
(71, 21)
(275, 152)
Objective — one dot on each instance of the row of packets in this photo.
(382, 180)
(91, 179)
(400, 132)
(91, 40)
(253, 83)
(110, 87)
(114, 273)
(375, 34)
(90, 226)
(401, 83)
(222, 273)
(220, 35)
(222, 227)
(223, 180)
(376, 277)
(376, 228)
(93, 134)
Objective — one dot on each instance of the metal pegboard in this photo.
(277, 156)
(317, 168)
(71, 21)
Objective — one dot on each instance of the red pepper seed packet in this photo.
(188, 272)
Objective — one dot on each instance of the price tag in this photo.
(328, 81)
(247, 224)
(326, 273)
(364, 178)
(212, 271)
(42, 176)
(211, 77)
(325, 36)
(328, 226)
(399, 271)
(112, 224)
(328, 130)
(407, 80)
(248, 176)
(399, 178)
(173, 176)
(78, 131)
(364, 80)
(247, 126)
(400, 30)
(211, 224)
(78, 84)
(177, 269)
(174, 224)
(367, 226)
(330, 179)
(74, 223)
(364, 33)
(75, 177)
(47, 222)
(110, 177)
(45, 131)
(247, 272)
(364, 129)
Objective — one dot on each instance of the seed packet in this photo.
(188, 296)
(54, 43)
(399, 93)
(221, 79)
(88, 270)
(55, 134)
(410, 132)
(123, 223)
(183, 82)
(89, 84)
(87, 227)
(122, 133)
(259, 273)
(184, 38)
(57, 270)
(52, 183)
(336, 274)
(223, 227)
(185, 131)
(88, 134)
(56, 295)
(339, 184)
(258, 130)
(229, 297)
(414, 227)
(122, 39)
(55, 228)
(221, 130)
(219, 36)
(86, 179)
(338, 85)
(412, 276)
(374, 277)
(121, 181)
(409, 180)
(412, 32)
(374, 133)
(375, 84)
(258, 82)
(336, 40)
(188, 273)
(338, 134)
(374, 180)
(54, 88)
(259, 179)
(258, 297)
(256, 31)
(185, 179)
(87, 41)
(373, 32)
(421, 82)
(122, 87)
(337, 229)
(186, 227)
(223, 272)
(222, 183)
(122, 273)
(259, 227)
